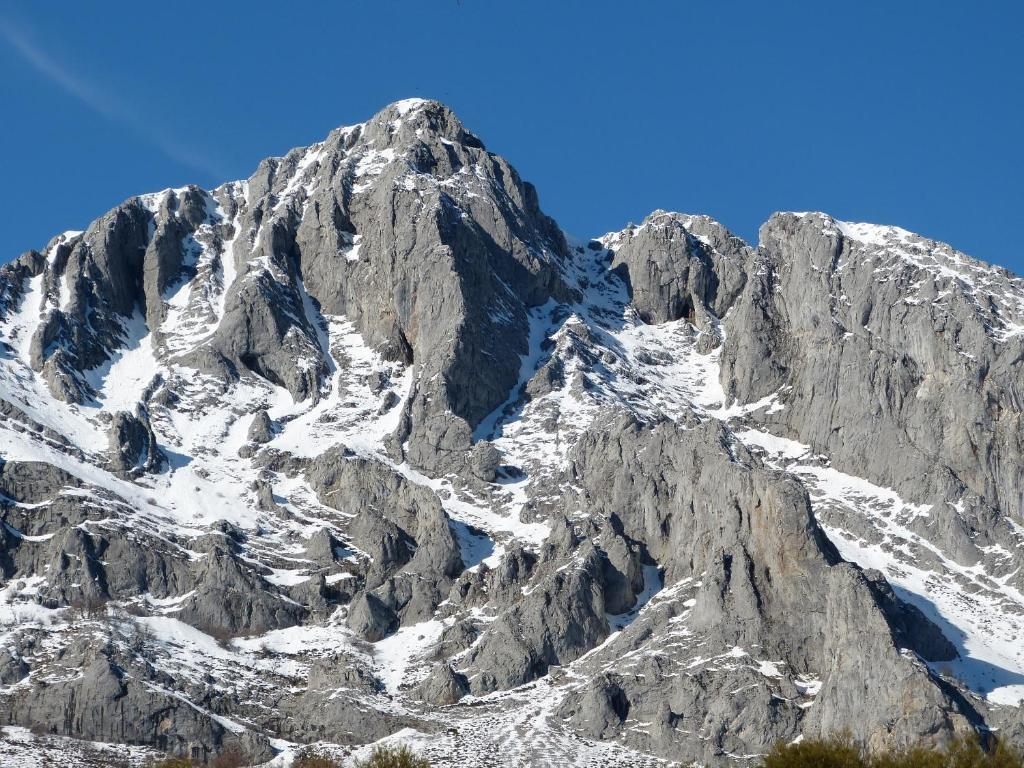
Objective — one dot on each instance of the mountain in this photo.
(365, 446)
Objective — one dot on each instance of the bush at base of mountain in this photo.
(171, 762)
(230, 758)
(393, 757)
(310, 758)
(841, 752)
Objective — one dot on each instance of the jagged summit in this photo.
(230, 281)
(927, 271)
(364, 445)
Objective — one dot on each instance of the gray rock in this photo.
(447, 290)
(622, 573)
(443, 687)
(673, 273)
(912, 629)
(262, 428)
(13, 668)
(105, 703)
(560, 619)
(33, 482)
(484, 461)
(401, 526)
(323, 547)
(869, 375)
(370, 618)
(133, 445)
(761, 560)
(228, 598)
(601, 710)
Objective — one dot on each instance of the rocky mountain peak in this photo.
(364, 445)
(405, 122)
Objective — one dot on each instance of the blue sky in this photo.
(891, 112)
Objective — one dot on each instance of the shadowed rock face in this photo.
(680, 266)
(364, 443)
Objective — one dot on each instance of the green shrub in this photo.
(819, 753)
(228, 758)
(310, 758)
(393, 757)
(171, 762)
(232, 757)
(968, 754)
(843, 753)
(919, 757)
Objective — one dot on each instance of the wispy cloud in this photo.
(104, 103)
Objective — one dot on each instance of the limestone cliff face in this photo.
(902, 355)
(363, 443)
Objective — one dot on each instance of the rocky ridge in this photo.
(364, 447)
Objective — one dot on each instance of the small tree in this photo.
(393, 757)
